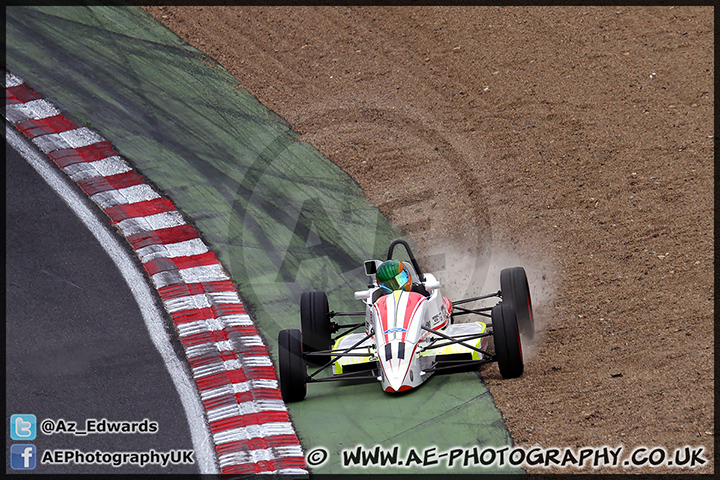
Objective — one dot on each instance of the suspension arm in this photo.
(482, 297)
(335, 358)
(454, 340)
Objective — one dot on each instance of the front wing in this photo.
(473, 334)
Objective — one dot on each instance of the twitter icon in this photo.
(23, 426)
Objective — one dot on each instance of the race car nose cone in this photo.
(395, 369)
(395, 382)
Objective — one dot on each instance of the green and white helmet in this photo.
(393, 275)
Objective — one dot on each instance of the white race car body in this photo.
(408, 334)
(400, 326)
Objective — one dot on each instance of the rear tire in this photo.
(516, 293)
(315, 323)
(506, 335)
(292, 366)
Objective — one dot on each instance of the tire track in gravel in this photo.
(590, 135)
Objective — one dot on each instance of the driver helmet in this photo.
(393, 275)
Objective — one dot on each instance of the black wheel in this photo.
(508, 349)
(516, 293)
(315, 323)
(292, 365)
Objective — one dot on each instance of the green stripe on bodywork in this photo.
(282, 218)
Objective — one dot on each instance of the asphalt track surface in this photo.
(281, 217)
(76, 344)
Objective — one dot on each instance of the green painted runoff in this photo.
(282, 218)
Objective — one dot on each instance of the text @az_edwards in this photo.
(685, 457)
(97, 426)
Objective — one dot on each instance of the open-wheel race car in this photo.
(410, 331)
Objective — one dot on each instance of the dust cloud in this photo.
(464, 275)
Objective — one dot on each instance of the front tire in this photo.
(315, 323)
(506, 335)
(293, 369)
(516, 293)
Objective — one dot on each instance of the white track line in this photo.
(135, 280)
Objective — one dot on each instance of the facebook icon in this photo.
(23, 456)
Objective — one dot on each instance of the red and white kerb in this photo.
(231, 366)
